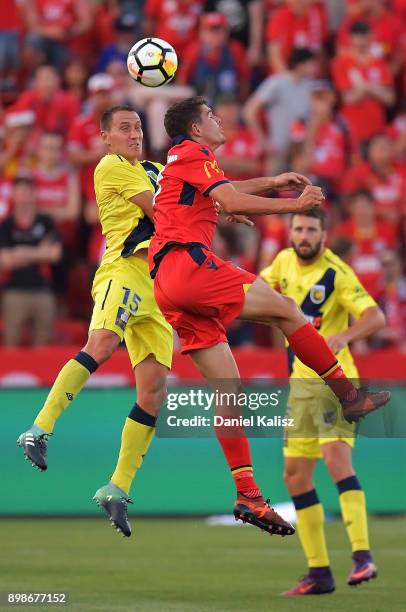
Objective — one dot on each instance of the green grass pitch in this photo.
(186, 566)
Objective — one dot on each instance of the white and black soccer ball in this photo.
(152, 62)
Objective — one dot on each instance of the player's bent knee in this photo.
(101, 345)
(152, 395)
(296, 482)
(337, 469)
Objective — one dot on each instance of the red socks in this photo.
(312, 349)
(238, 455)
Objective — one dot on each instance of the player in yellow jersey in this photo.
(327, 291)
(124, 307)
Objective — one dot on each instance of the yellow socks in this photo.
(310, 526)
(310, 521)
(137, 435)
(69, 382)
(354, 513)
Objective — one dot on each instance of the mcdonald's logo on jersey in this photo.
(211, 166)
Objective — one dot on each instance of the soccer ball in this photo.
(152, 62)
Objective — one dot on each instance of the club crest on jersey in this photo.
(318, 294)
(211, 165)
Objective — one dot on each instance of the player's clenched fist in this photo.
(312, 196)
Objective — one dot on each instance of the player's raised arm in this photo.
(144, 201)
(235, 202)
(264, 184)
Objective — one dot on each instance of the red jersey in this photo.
(184, 212)
(52, 191)
(51, 188)
(57, 13)
(85, 135)
(176, 21)
(243, 144)
(275, 238)
(367, 116)
(291, 30)
(367, 248)
(386, 30)
(389, 191)
(400, 9)
(329, 151)
(10, 18)
(55, 115)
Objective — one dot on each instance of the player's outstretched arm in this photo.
(265, 184)
(234, 202)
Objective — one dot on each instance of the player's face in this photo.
(209, 128)
(125, 135)
(307, 237)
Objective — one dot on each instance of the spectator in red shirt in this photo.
(175, 21)
(106, 12)
(325, 137)
(386, 31)
(393, 301)
(54, 108)
(240, 156)
(57, 27)
(296, 24)
(213, 64)
(370, 236)
(382, 177)
(57, 187)
(245, 19)
(365, 84)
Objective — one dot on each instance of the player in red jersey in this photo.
(200, 294)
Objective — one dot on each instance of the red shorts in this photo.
(199, 294)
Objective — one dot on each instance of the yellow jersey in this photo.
(125, 226)
(327, 291)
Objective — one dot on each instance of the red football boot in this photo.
(258, 512)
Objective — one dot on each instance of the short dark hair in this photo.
(315, 213)
(360, 27)
(181, 115)
(360, 193)
(342, 246)
(24, 179)
(300, 55)
(52, 134)
(107, 116)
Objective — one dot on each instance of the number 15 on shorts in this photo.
(131, 299)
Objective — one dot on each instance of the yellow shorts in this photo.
(317, 419)
(124, 302)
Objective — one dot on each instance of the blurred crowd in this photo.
(315, 86)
